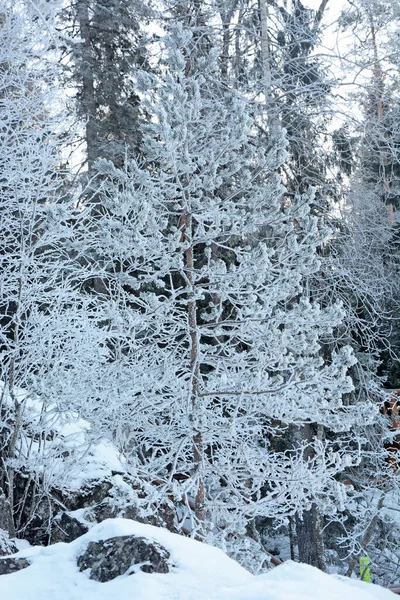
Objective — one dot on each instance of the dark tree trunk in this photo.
(88, 100)
(308, 523)
(309, 538)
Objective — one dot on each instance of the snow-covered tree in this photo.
(361, 266)
(216, 341)
(103, 45)
(50, 349)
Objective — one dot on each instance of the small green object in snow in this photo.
(365, 573)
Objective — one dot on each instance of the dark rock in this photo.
(108, 510)
(36, 530)
(110, 558)
(6, 528)
(164, 517)
(6, 545)
(67, 528)
(132, 512)
(93, 493)
(5, 515)
(12, 565)
(43, 520)
(104, 510)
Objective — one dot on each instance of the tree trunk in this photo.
(226, 18)
(194, 373)
(379, 85)
(88, 99)
(308, 524)
(309, 538)
(194, 344)
(271, 109)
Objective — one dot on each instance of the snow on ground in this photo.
(200, 572)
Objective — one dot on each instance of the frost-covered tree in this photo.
(216, 341)
(104, 45)
(362, 266)
(50, 349)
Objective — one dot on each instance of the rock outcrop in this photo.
(67, 528)
(6, 528)
(116, 556)
(7, 546)
(11, 565)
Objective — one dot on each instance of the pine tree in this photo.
(101, 65)
(216, 342)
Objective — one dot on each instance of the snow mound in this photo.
(200, 572)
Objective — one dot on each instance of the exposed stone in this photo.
(37, 531)
(132, 512)
(6, 528)
(7, 546)
(67, 528)
(110, 558)
(5, 514)
(12, 565)
(43, 520)
(92, 493)
(104, 510)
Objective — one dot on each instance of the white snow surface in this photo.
(200, 572)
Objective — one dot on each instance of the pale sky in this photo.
(315, 3)
(332, 12)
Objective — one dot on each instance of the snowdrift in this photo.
(199, 572)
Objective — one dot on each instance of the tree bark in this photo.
(309, 538)
(88, 98)
(308, 524)
(226, 15)
(319, 14)
(272, 113)
(198, 454)
(379, 88)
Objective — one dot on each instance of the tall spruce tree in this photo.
(100, 64)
